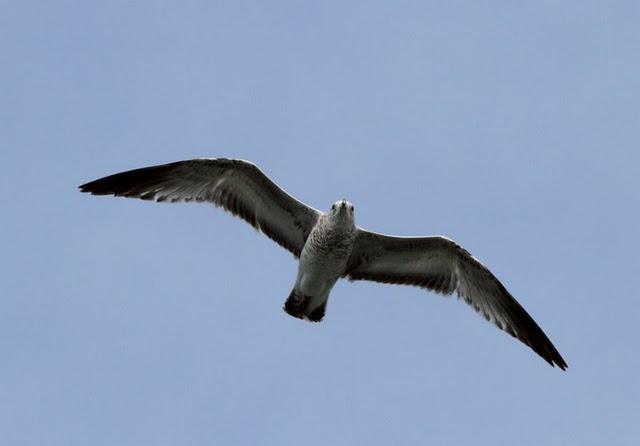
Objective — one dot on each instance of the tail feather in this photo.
(318, 314)
(297, 305)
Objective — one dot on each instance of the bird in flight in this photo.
(329, 245)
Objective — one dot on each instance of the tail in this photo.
(297, 305)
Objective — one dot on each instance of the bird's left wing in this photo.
(440, 265)
(236, 185)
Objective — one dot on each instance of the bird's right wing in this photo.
(440, 265)
(237, 186)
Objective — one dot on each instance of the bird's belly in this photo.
(318, 272)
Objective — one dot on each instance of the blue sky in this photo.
(510, 128)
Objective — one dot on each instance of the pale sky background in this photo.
(511, 128)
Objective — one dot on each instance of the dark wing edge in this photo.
(439, 264)
(238, 186)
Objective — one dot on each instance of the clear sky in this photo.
(511, 128)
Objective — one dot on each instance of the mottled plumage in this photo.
(329, 245)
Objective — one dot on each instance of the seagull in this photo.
(329, 245)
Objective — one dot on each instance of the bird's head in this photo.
(342, 213)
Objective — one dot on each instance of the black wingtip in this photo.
(99, 186)
(85, 188)
(553, 357)
(561, 364)
(95, 188)
(548, 352)
(128, 183)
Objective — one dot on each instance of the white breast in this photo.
(322, 261)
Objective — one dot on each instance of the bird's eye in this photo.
(351, 208)
(333, 207)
